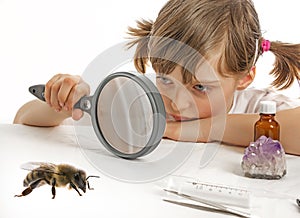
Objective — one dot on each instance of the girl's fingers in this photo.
(77, 114)
(58, 91)
(64, 93)
(48, 87)
(53, 96)
(77, 92)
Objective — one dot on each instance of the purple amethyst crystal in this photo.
(264, 159)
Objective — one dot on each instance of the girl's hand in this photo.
(62, 91)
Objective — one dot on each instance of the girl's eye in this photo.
(164, 80)
(200, 88)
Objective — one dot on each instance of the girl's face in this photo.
(209, 94)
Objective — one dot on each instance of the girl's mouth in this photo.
(178, 118)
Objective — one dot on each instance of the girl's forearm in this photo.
(38, 113)
(289, 121)
(240, 129)
(234, 129)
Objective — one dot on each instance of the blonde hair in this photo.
(208, 26)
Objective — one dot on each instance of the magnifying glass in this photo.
(127, 113)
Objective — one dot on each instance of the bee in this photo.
(54, 175)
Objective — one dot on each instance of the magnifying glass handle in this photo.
(38, 91)
(84, 103)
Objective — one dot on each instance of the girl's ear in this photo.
(245, 81)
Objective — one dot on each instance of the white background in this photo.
(41, 38)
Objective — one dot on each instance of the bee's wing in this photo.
(40, 166)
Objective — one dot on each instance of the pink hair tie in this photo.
(266, 44)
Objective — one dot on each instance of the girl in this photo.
(195, 88)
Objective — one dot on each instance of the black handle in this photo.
(38, 91)
(85, 103)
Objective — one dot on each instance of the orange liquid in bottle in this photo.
(267, 125)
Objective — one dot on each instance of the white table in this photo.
(112, 198)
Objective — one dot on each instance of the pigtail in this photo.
(140, 36)
(287, 64)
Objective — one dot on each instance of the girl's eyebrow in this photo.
(207, 78)
(194, 81)
(206, 81)
(209, 81)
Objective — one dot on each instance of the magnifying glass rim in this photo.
(156, 103)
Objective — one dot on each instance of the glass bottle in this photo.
(267, 125)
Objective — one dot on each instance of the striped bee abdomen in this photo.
(33, 176)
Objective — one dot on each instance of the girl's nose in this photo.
(181, 100)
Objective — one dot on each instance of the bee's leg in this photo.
(25, 192)
(74, 187)
(28, 190)
(88, 185)
(53, 188)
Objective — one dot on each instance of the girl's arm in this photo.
(38, 113)
(239, 129)
(61, 93)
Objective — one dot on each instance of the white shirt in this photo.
(247, 101)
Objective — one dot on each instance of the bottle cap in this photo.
(267, 107)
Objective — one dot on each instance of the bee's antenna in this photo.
(92, 176)
(88, 184)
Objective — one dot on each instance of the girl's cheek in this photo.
(167, 102)
(166, 93)
(204, 110)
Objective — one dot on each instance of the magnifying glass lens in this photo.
(127, 112)
(124, 115)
